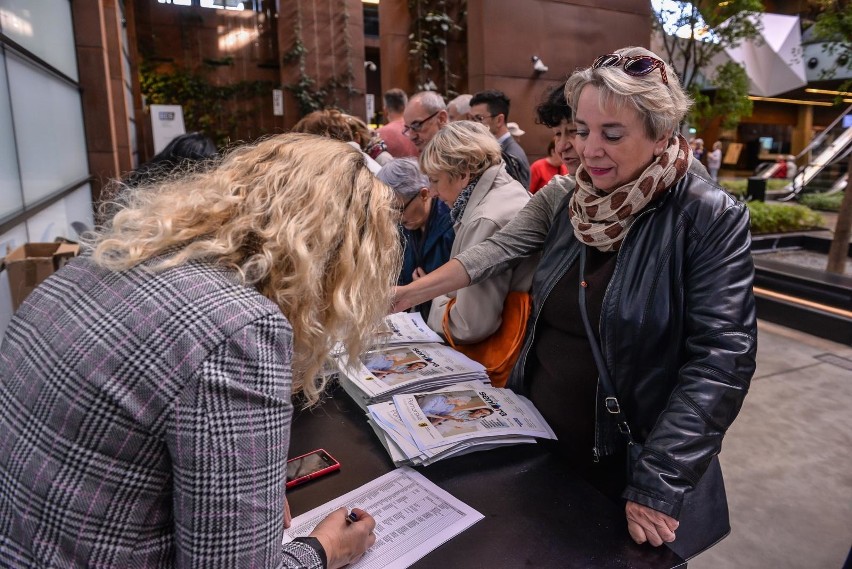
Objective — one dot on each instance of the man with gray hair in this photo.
(425, 222)
(459, 108)
(424, 116)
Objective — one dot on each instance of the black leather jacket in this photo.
(678, 332)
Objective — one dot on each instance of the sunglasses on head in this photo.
(637, 65)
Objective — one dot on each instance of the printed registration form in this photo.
(413, 517)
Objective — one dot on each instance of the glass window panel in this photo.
(132, 132)
(49, 130)
(11, 199)
(55, 220)
(125, 64)
(12, 239)
(128, 101)
(44, 27)
(48, 224)
(78, 207)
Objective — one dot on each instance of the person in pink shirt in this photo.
(399, 145)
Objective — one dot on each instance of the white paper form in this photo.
(413, 517)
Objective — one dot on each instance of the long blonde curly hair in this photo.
(297, 216)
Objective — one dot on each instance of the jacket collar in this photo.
(483, 186)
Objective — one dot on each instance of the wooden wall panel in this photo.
(333, 34)
(503, 35)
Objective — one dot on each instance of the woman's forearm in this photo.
(448, 277)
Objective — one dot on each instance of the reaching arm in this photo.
(448, 277)
(522, 236)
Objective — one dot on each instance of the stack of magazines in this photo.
(422, 428)
(410, 360)
(408, 368)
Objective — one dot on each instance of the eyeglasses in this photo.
(480, 118)
(401, 210)
(637, 66)
(417, 125)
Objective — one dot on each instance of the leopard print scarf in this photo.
(601, 219)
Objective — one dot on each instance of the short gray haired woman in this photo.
(425, 220)
(668, 280)
(404, 177)
(467, 173)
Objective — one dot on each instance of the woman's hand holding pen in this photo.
(344, 536)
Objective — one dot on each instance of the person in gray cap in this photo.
(425, 222)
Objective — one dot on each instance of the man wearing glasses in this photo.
(491, 108)
(424, 116)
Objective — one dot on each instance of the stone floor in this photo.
(788, 459)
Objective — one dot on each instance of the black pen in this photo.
(351, 517)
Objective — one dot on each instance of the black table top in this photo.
(537, 514)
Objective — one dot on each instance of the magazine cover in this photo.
(410, 367)
(408, 328)
(450, 416)
(397, 440)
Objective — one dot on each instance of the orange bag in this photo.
(499, 351)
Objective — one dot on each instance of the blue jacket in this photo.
(428, 251)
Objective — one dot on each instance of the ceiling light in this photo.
(792, 101)
(827, 92)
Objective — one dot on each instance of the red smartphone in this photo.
(310, 466)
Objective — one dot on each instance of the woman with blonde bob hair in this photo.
(642, 341)
(465, 169)
(145, 388)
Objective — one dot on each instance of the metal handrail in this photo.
(796, 185)
(819, 138)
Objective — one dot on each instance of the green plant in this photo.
(730, 101)
(825, 202)
(207, 107)
(309, 96)
(433, 24)
(734, 187)
(780, 218)
(693, 33)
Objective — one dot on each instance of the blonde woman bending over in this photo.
(466, 171)
(145, 388)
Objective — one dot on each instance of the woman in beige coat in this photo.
(466, 172)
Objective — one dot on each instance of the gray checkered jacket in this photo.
(144, 422)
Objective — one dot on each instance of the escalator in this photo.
(827, 159)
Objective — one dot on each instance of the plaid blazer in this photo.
(144, 422)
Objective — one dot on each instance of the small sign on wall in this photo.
(167, 123)
(278, 102)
